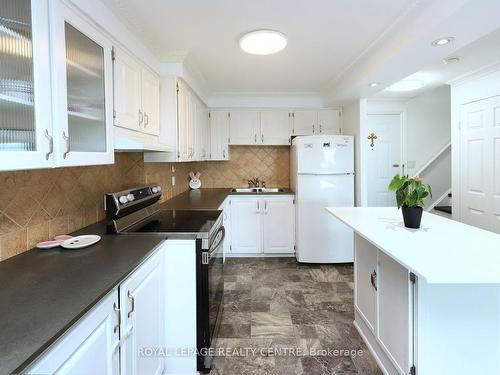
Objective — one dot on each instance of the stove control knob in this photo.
(130, 197)
(123, 199)
(155, 190)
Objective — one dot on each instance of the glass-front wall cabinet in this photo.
(83, 89)
(55, 87)
(25, 125)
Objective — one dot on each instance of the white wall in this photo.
(353, 123)
(428, 127)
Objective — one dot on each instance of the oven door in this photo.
(212, 293)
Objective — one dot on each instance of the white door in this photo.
(219, 133)
(384, 158)
(244, 127)
(150, 102)
(394, 309)
(246, 225)
(90, 347)
(127, 90)
(82, 72)
(320, 237)
(329, 121)
(325, 154)
(141, 303)
(275, 127)
(480, 164)
(26, 137)
(365, 282)
(304, 122)
(278, 224)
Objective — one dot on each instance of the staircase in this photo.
(437, 173)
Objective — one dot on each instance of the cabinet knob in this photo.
(66, 138)
(51, 144)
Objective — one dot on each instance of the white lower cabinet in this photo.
(90, 347)
(119, 333)
(142, 318)
(384, 305)
(262, 225)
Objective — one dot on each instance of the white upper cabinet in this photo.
(329, 121)
(82, 89)
(185, 124)
(150, 102)
(202, 133)
(127, 90)
(275, 127)
(219, 134)
(304, 122)
(136, 95)
(244, 127)
(26, 133)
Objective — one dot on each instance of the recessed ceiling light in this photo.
(442, 41)
(373, 84)
(406, 85)
(263, 42)
(451, 60)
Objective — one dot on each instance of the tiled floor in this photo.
(276, 308)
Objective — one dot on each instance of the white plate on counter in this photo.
(80, 242)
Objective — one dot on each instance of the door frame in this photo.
(364, 129)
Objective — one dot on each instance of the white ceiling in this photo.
(477, 55)
(324, 38)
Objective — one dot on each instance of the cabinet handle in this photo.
(320, 129)
(262, 137)
(265, 206)
(66, 138)
(313, 129)
(146, 119)
(255, 138)
(224, 153)
(132, 303)
(141, 117)
(117, 310)
(51, 144)
(373, 279)
(258, 206)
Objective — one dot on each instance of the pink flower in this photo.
(417, 178)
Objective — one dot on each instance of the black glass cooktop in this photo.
(179, 221)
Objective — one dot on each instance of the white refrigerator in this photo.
(322, 175)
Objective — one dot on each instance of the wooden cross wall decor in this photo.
(372, 138)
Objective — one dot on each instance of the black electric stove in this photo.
(136, 211)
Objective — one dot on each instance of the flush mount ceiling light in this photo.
(406, 85)
(442, 41)
(263, 42)
(373, 84)
(451, 60)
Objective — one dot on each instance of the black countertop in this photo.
(44, 292)
(207, 199)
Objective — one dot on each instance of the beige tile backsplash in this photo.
(37, 205)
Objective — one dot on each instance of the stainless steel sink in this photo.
(257, 190)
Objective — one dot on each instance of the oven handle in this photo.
(215, 245)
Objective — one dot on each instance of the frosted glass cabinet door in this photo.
(82, 89)
(25, 124)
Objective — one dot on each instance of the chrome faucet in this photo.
(255, 182)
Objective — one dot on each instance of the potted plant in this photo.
(410, 195)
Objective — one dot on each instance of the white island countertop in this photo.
(442, 251)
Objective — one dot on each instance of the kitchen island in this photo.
(428, 300)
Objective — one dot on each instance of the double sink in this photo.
(257, 190)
